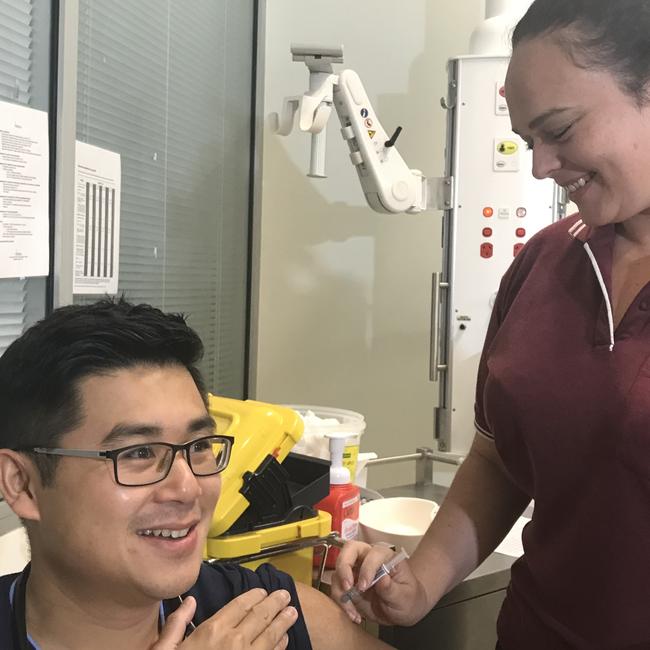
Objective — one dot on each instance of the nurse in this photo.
(563, 392)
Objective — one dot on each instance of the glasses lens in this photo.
(143, 464)
(209, 455)
(146, 464)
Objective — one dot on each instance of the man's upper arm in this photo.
(329, 626)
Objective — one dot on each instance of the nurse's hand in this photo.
(255, 620)
(397, 599)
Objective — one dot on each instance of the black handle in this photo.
(393, 138)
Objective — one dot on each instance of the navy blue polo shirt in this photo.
(216, 586)
(566, 399)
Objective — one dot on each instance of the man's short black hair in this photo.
(40, 371)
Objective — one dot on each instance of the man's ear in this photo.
(18, 480)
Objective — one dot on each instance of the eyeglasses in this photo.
(138, 465)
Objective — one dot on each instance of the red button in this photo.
(520, 232)
(486, 250)
(487, 232)
(516, 249)
(502, 91)
(488, 212)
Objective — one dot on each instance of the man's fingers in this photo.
(273, 634)
(284, 642)
(173, 631)
(232, 614)
(269, 619)
(255, 618)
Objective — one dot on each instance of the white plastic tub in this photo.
(401, 521)
(320, 420)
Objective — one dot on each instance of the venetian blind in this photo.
(22, 44)
(167, 84)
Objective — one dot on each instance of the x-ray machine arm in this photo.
(387, 182)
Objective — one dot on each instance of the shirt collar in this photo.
(581, 231)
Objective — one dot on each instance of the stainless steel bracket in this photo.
(449, 102)
(440, 193)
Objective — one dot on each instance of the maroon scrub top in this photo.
(569, 410)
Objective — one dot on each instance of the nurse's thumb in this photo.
(173, 632)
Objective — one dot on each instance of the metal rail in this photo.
(424, 459)
(289, 547)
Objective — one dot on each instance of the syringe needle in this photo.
(354, 593)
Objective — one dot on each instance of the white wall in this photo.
(14, 551)
(344, 302)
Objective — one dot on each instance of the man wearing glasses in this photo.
(110, 459)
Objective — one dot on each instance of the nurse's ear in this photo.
(18, 482)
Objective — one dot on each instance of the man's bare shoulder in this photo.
(329, 626)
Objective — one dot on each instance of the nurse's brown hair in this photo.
(611, 35)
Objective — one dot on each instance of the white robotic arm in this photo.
(387, 182)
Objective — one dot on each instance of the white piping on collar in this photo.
(577, 228)
(603, 288)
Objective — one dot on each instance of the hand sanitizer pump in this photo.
(344, 498)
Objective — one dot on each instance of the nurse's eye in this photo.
(558, 135)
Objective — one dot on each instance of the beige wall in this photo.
(344, 292)
(14, 551)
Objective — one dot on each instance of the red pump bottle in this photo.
(343, 500)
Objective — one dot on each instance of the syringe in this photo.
(354, 594)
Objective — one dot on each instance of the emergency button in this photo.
(486, 250)
(520, 232)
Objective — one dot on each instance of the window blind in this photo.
(21, 301)
(167, 85)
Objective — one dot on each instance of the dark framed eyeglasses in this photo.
(146, 464)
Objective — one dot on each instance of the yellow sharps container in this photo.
(265, 512)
